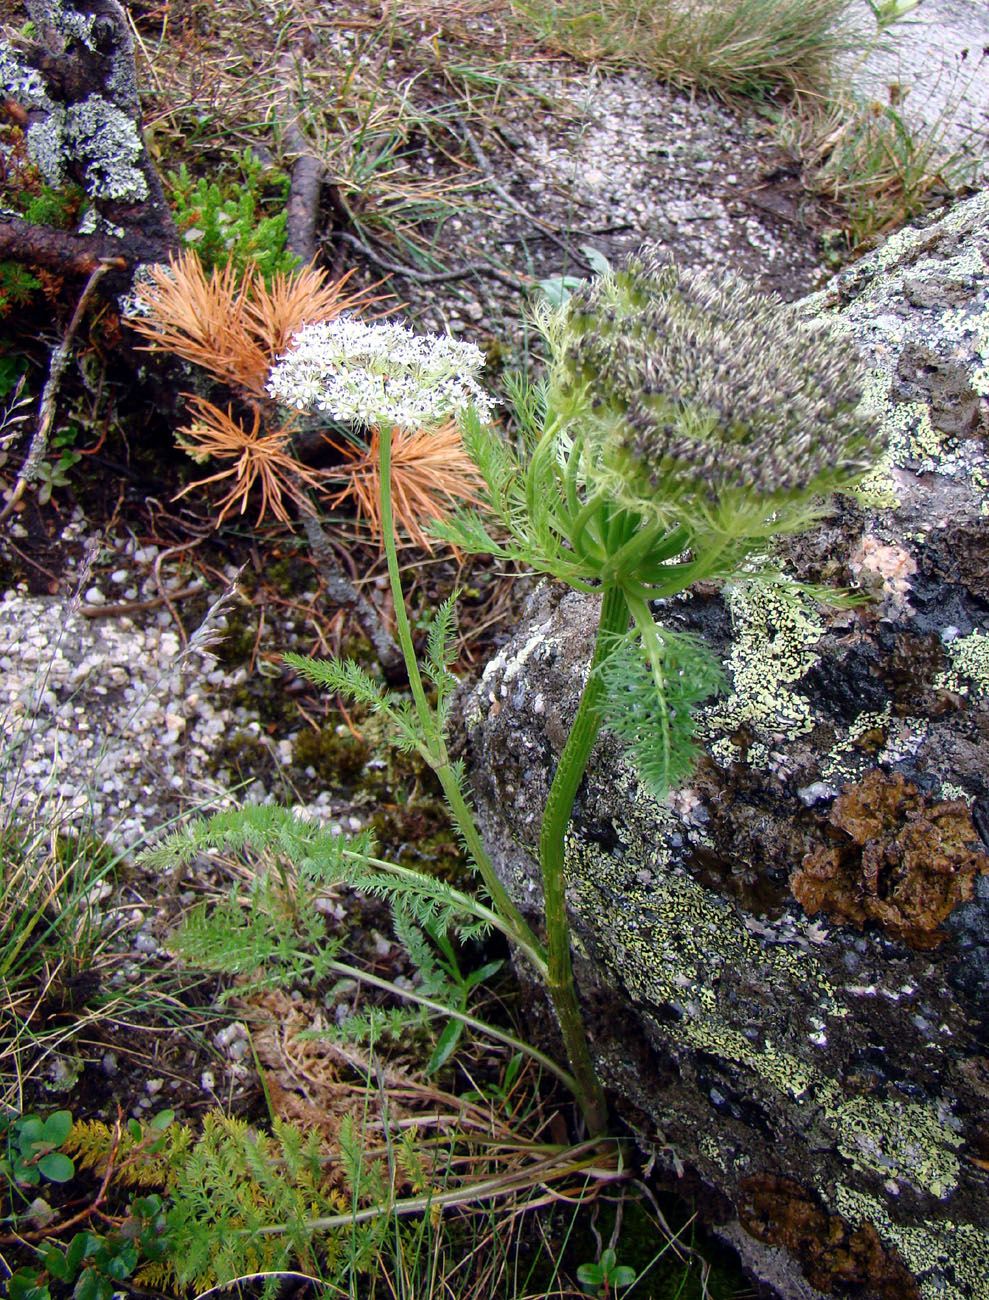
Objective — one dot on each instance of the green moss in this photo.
(336, 756)
(244, 754)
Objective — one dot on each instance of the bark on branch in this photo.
(73, 90)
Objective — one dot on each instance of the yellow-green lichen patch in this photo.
(677, 945)
(776, 628)
(945, 254)
(951, 791)
(878, 489)
(837, 764)
(912, 437)
(906, 1141)
(969, 659)
(949, 1260)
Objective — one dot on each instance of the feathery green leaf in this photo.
(655, 722)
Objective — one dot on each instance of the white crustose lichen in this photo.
(379, 374)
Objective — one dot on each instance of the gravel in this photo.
(107, 725)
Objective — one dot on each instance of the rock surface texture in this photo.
(785, 965)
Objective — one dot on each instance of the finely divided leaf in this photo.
(655, 723)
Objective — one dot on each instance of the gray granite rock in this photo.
(783, 963)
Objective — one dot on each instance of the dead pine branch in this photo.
(71, 86)
(343, 593)
(308, 171)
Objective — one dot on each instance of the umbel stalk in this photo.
(552, 962)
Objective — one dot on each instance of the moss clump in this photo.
(420, 835)
(336, 756)
(244, 754)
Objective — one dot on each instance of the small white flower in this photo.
(379, 374)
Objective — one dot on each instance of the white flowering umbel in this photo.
(379, 375)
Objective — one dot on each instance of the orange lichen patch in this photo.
(835, 1257)
(894, 859)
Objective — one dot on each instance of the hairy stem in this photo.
(556, 818)
(437, 756)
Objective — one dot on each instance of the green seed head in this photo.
(705, 402)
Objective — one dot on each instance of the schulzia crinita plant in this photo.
(685, 421)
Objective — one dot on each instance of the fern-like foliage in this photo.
(235, 1183)
(441, 653)
(654, 719)
(272, 932)
(347, 678)
(524, 501)
(373, 1026)
(228, 1185)
(262, 828)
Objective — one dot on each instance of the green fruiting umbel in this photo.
(701, 403)
(685, 421)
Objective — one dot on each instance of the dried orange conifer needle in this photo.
(202, 319)
(430, 470)
(261, 459)
(235, 328)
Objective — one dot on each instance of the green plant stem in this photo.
(439, 758)
(556, 818)
(653, 649)
(444, 1009)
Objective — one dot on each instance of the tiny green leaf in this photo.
(446, 1046)
(56, 1167)
(58, 1127)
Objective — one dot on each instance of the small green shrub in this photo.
(226, 220)
(30, 1149)
(607, 1277)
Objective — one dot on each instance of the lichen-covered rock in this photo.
(71, 87)
(785, 964)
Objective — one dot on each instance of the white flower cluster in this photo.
(379, 374)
